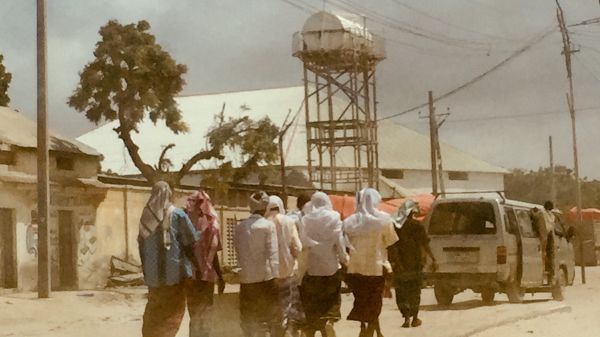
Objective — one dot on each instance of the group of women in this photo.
(314, 252)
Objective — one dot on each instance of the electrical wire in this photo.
(513, 116)
(477, 78)
(411, 29)
(450, 24)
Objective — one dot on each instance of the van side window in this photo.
(511, 224)
(525, 224)
(462, 218)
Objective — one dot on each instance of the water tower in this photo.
(340, 57)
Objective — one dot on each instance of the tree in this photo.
(133, 78)
(535, 186)
(5, 78)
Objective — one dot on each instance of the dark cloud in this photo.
(234, 45)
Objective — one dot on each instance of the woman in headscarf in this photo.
(289, 249)
(321, 285)
(200, 290)
(166, 241)
(407, 259)
(369, 232)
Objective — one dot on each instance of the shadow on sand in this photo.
(473, 304)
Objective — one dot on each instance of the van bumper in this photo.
(473, 281)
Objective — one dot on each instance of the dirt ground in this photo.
(119, 312)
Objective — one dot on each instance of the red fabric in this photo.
(205, 219)
(588, 214)
(345, 204)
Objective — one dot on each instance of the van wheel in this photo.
(487, 296)
(514, 292)
(557, 288)
(443, 294)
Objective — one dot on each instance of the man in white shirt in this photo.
(256, 246)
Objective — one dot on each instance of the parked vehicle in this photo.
(493, 245)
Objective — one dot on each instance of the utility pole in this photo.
(552, 179)
(284, 129)
(438, 150)
(432, 142)
(567, 51)
(42, 156)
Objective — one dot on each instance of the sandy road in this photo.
(118, 313)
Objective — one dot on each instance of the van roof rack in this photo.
(500, 193)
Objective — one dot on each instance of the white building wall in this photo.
(419, 181)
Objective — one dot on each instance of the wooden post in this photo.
(567, 51)
(432, 132)
(552, 179)
(42, 156)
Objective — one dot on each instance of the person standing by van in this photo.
(407, 257)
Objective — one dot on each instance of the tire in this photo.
(487, 296)
(557, 288)
(443, 294)
(514, 292)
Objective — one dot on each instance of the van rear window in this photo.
(462, 218)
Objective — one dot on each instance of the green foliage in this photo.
(535, 186)
(5, 78)
(252, 141)
(131, 76)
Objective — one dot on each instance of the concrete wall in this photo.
(420, 181)
(83, 166)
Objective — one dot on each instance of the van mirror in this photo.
(570, 233)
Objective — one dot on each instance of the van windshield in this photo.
(472, 217)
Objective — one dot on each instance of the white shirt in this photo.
(289, 244)
(255, 244)
(325, 256)
(368, 255)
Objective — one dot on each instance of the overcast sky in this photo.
(229, 45)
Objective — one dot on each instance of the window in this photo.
(463, 218)
(393, 174)
(64, 163)
(457, 175)
(511, 221)
(7, 157)
(525, 224)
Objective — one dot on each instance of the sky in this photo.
(505, 118)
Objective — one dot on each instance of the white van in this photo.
(491, 245)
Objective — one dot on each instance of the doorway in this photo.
(66, 251)
(8, 249)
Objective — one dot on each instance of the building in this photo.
(74, 197)
(404, 156)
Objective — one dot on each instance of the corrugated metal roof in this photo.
(17, 129)
(400, 147)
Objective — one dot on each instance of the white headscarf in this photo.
(258, 201)
(367, 217)
(156, 213)
(321, 223)
(276, 202)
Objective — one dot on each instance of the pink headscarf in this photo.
(204, 217)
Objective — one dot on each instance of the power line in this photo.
(513, 116)
(411, 29)
(477, 78)
(435, 18)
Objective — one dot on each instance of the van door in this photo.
(533, 268)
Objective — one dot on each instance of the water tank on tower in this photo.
(340, 56)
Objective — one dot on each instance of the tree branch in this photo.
(162, 160)
(202, 155)
(147, 171)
